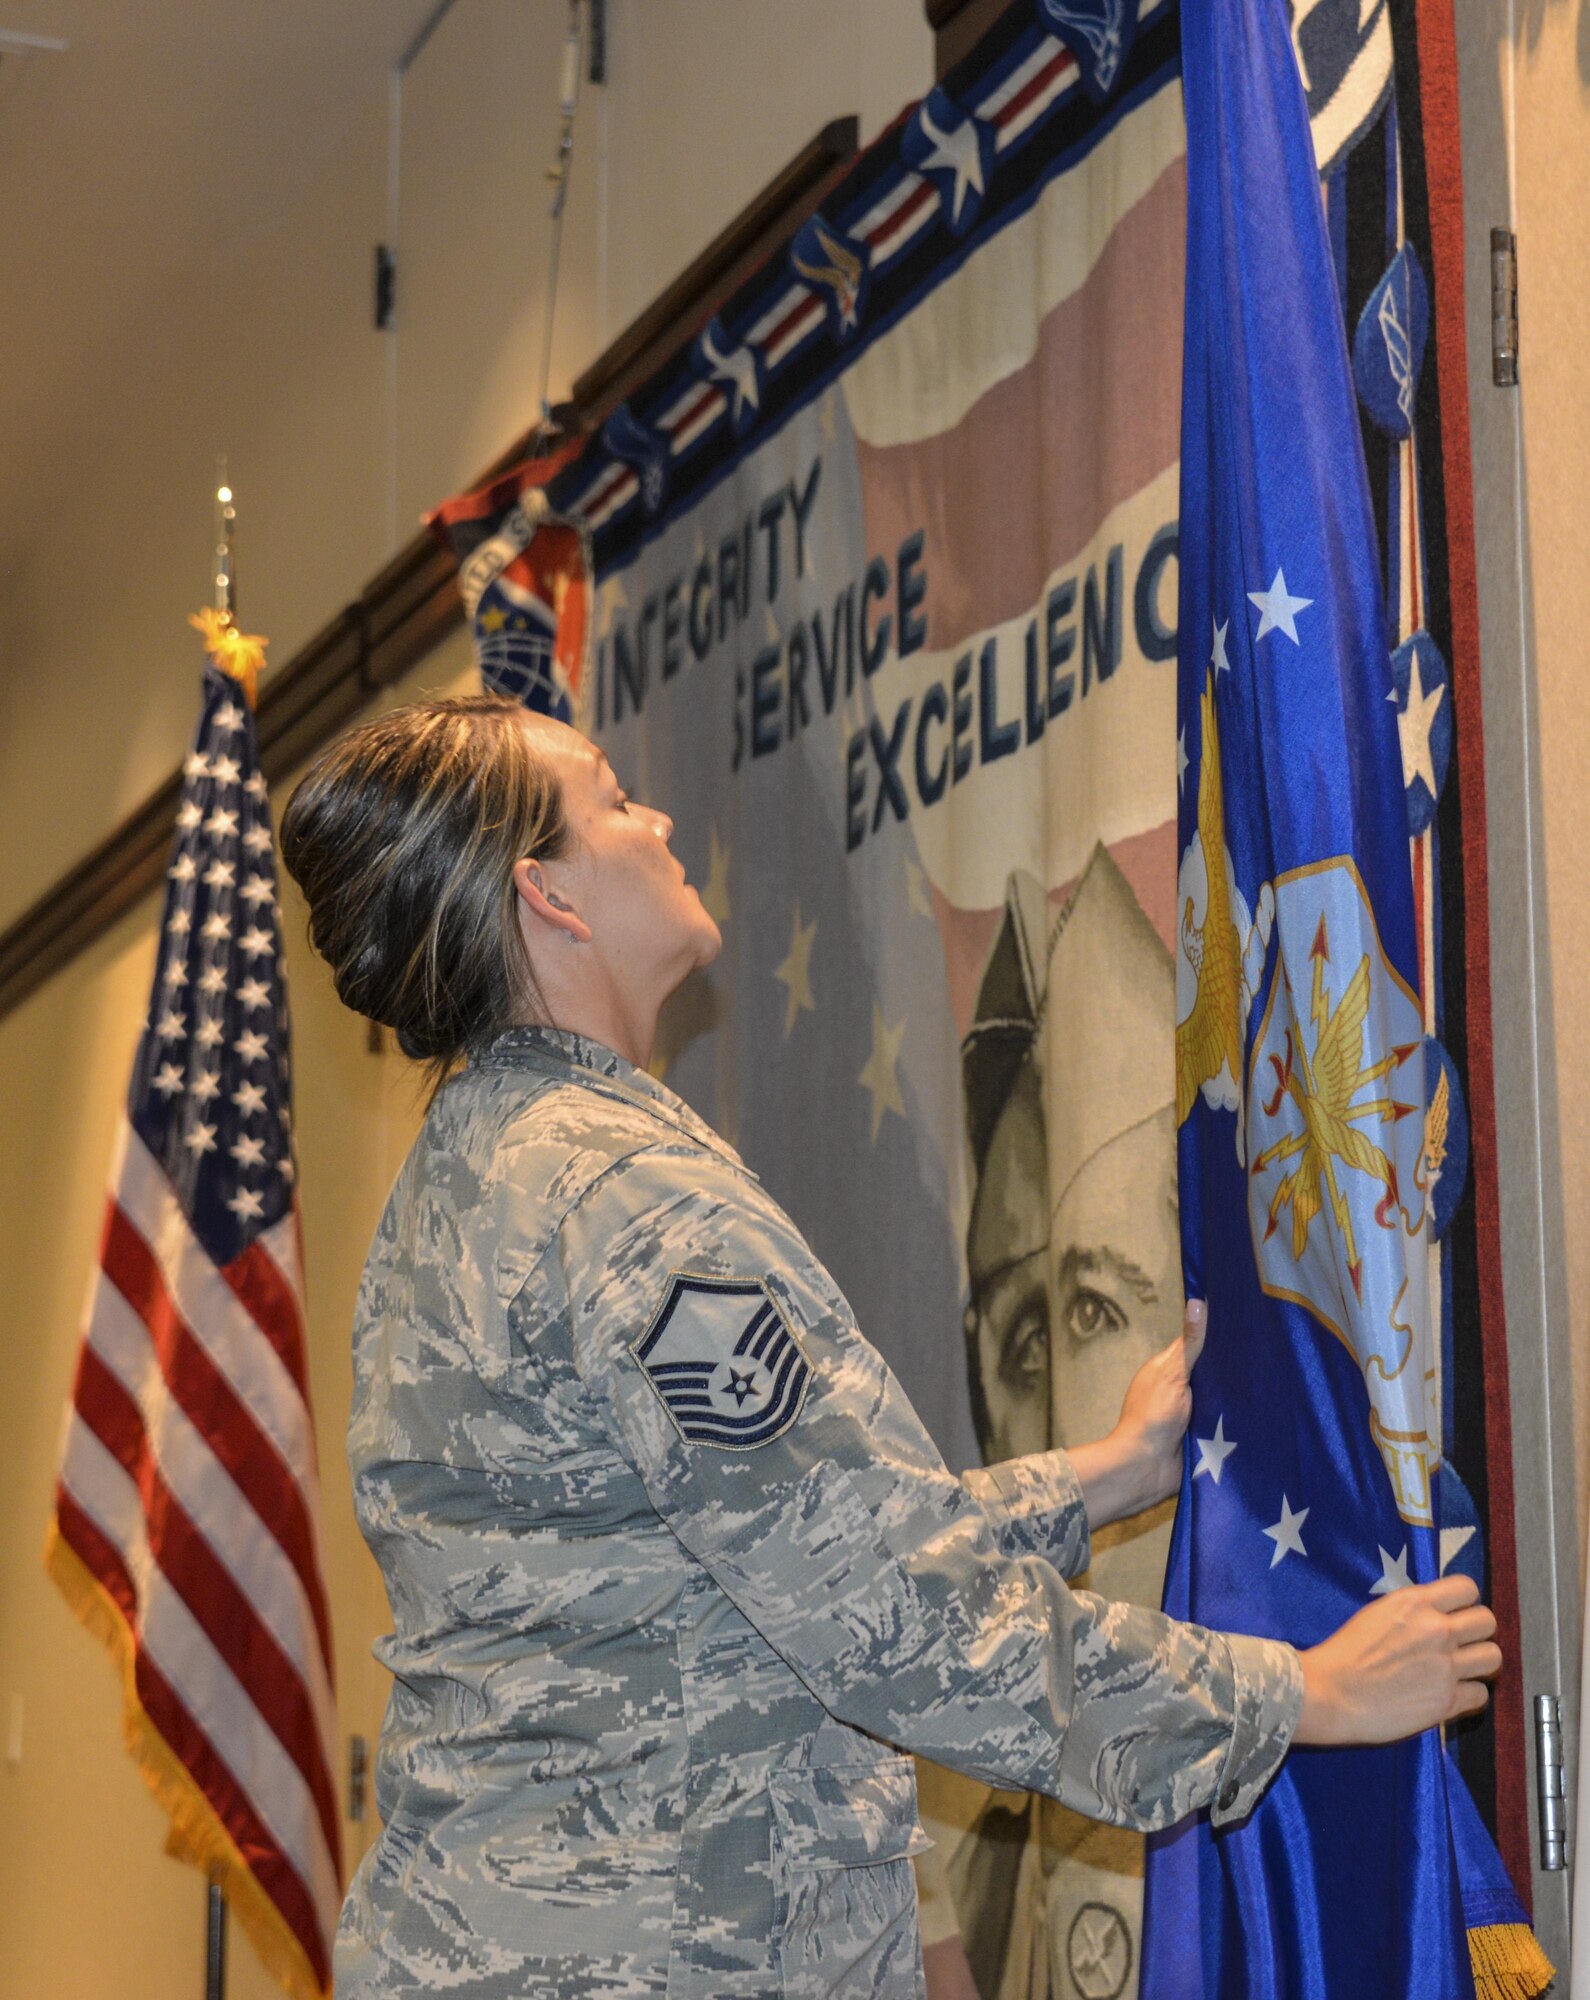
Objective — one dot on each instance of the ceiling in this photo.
(133, 160)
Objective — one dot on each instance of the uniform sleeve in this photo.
(779, 1449)
(1035, 1507)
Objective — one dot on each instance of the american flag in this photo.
(185, 1524)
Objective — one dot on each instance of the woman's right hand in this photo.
(1410, 1660)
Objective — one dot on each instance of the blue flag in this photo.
(1311, 1482)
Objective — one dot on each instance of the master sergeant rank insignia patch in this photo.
(722, 1357)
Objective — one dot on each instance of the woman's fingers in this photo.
(1469, 1628)
(1450, 1593)
(1479, 1663)
(1194, 1326)
(1470, 1698)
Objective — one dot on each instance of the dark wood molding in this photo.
(958, 25)
(408, 607)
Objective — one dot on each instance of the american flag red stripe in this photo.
(185, 1529)
(207, 1396)
(267, 1294)
(100, 1558)
(208, 1588)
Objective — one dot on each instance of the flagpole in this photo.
(215, 1943)
(224, 565)
(225, 528)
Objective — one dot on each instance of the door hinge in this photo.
(1504, 308)
(1549, 1782)
(385, 287)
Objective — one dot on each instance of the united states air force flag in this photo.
(1312, 1476)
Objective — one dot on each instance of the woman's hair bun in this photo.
(402, 836)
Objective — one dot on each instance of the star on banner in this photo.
(796, 971)
(1217, 658)
(1414, 722)
(1278, 609)
(879, 1074)
(1394, 1574)
(1181, 761)
(954, 152)
(1453, 1542)
(1287, 1534)
(1213, 1452)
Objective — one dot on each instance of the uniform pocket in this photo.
(843, 1837)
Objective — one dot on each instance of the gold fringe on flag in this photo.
(196, 1833)
(240, 654)
(1508, 1963)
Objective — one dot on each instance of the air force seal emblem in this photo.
(1336, 1140)
(722, 1357)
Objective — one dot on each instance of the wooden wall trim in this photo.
(958, 25)
(409, 606)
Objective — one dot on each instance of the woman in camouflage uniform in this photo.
(677, 1577)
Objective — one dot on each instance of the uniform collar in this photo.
(579, 1060)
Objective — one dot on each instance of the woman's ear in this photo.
(545, 905)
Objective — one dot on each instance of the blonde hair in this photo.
(403, 835)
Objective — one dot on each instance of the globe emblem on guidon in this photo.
(1335, 1148)
(724, 1362)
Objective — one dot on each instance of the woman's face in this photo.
(648, 926)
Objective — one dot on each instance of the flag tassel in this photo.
(1508, 1962)
(196, 1833)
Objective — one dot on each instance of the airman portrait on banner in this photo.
(1073, 1264)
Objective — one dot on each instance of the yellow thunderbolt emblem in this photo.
(1323, 1092)
(1211, 1036)
(1437, 1121)
(842, 272)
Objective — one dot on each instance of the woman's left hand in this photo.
(1158, 1407)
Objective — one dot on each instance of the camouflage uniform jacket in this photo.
(676, 1574)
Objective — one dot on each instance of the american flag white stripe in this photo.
(1060, 77)
(202, 1680)
(711, 409)
(778, 312)
(801, 327)
(908, 221)
(887, 206)
(207, 1586)
(261, 1567)
(214, 1314)
(617, 493)
(1044, 53)
(677, 408)
(281, 1244)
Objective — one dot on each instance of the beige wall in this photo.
(337, 437)
(1550, 87)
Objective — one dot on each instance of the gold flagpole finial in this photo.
(239, 654)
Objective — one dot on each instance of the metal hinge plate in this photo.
(1504, 308)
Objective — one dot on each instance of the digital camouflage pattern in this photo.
(650, 1694)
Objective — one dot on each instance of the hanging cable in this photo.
(558, 174)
